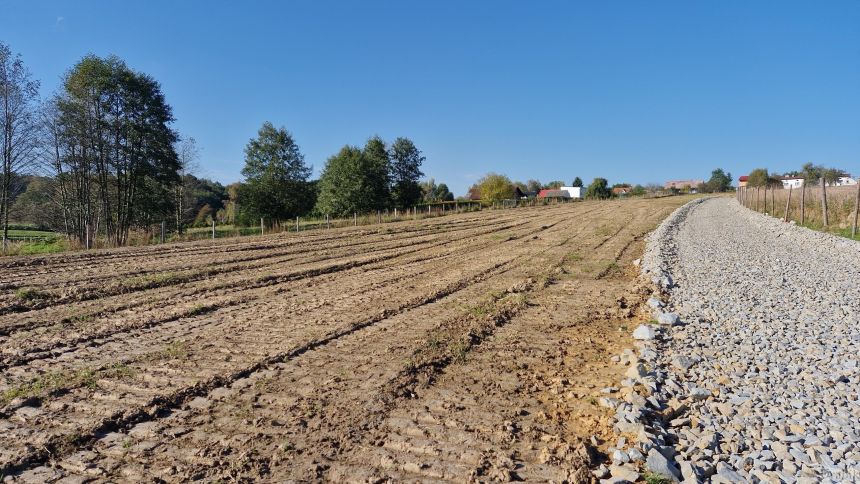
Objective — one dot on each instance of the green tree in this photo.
(533, 186)
(598, 189)
(810, 173)
(276, 175)
(638, 190)
(116, 161)
(443, 194)
(553, 185)
(19, 125)
(720, 181)
(758, 178)
(431, 192)
(406, 162)
(495, 187)
(354, 181)
(577, 182)
(377, 179)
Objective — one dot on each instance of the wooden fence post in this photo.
(803, 202)
(757, 190)
(824, 200)
(355, 219)
(297, 223)
(856, 205)
(213, 229)
(773, 201)
(787, 205)
(262, 231)
(162, 231)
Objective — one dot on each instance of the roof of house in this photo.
(547, 193)
(620, 190)
(743, 178)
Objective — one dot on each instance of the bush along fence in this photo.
(820, 207)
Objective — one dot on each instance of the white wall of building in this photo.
(575, 192)
(792, 183)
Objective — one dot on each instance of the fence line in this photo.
(833, 209)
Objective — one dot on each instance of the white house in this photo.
(797, 182)
(844, 180)
(575, 192)
(791, 181)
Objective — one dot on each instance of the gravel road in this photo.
(758, 379)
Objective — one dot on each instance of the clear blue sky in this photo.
(630, 90)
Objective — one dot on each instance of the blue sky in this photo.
(629, 90)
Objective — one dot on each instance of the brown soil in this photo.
(468, 347)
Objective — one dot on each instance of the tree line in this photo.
(100, 159)
(811, 174)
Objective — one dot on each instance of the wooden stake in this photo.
(213, 230)
(787, 204)
(773, 201)
(856, 205)
(824, 200)
(262, 231)
(803, 202)
(297, 223)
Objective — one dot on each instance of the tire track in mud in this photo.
(52, 444)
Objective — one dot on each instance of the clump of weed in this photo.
(150, 280)
(119, 371)
(81, 318)
(573, 257)
(652, 478)
(51, 382)
(29, 294)
(199, 309)
(459, 350)
(177, 350)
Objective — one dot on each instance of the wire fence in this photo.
(309, 223)
(820, 207)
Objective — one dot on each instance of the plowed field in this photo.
(464, 347)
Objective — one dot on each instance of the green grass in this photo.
(29, 294)
(177, 350)
(31, 233)
(652, 478)
(48, 245)
(53, 381)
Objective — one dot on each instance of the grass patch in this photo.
(151, 280)
(47, 245)
(177, 350)
(28, 294)
(459, 350)
(54, 381)
(652, 478)
(573, 257)
(199, 309)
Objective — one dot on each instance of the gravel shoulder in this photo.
(751, 368)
